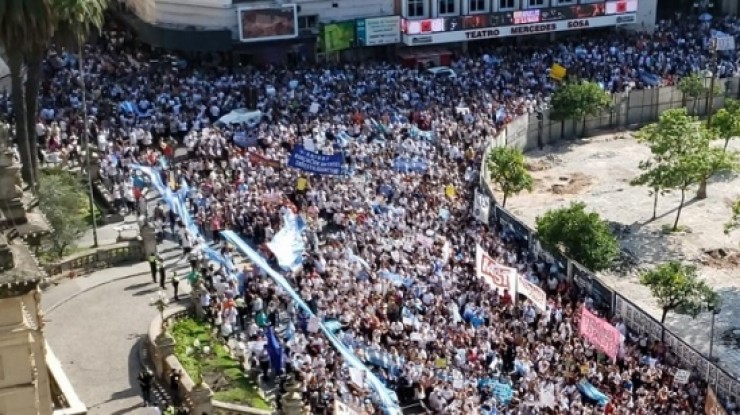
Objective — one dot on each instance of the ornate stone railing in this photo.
(99, 258)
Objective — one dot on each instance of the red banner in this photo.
(600, 333)
(256, 158)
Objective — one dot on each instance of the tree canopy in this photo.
(576, 101)
(677, 287)
(734, 222)
(682, 155)
(62, 199)
(727, 121)
(694, 86)
(507, 168)
(581, 235)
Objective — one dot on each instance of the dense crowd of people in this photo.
(390, 250)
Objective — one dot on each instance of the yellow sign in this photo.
(450, 191)
(558, 72)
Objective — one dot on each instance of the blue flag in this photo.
(275, 350)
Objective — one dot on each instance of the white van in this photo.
(442, 72)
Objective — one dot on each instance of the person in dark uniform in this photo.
(145, 383)
(175, 283)
(153, 267)
(162, 275)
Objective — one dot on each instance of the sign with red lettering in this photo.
(497, 276)
(534, 293)
(600, 333)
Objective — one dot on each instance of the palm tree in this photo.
(75, 19)
(25, 25)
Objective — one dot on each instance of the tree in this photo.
(656, 178)
(734, 222)
(682, 155)
(676, 286)
(506, 167)
(577, 101)
(28, 27)
(581, 235)
(25, 25)
(62, 200)
(692, 86)
(727, 121)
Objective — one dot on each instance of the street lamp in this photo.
(199, 351)
(161, 303)
(540, 119)
(86, 144)
(714, 309)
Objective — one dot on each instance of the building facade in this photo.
(276, 30)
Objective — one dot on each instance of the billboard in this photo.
(492, 32)
(379, 31)
(338, 36)
(271, 23)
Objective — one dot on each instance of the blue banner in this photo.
(316, 163)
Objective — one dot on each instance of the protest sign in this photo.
(681, 376)
(534, 293)
(557, 72)
(342, 409)
(600, 333)
(261, 160)
(495, 275)
(481, 206)
(316, 163)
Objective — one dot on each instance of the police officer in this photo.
(162, 275)
(175, 280)
(153, 266)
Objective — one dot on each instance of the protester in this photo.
(390, 255)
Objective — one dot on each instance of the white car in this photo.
(442, 72)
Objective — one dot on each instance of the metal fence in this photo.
(633, 109)
(628, 110)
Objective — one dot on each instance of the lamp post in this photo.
(86, 144)
(199, 351)
(161, 303)
(540, 119)
(710, 94)
(714, 310)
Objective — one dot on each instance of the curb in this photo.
(83, 291)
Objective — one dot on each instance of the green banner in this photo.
(338, 36)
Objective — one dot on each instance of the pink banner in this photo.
(600, 333)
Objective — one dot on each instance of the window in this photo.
(446, 7)
(308, 22)
(536, 3)
(477, 6)
(415, 8)
(563, 2)
(505, 4)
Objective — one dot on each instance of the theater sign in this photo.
(433, 37)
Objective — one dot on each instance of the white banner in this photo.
(726, 42)
(379, 30)
(342, 409)
(534, 293)
(481, 206)
(507, 278)
(497, 276)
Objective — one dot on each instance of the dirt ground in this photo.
(597, 172)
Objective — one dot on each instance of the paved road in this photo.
(94, 324)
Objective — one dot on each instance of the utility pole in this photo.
(710, 94)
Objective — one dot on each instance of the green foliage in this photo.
(74, 19)
(576, 101)
(727, 121)
(734, 222)
(240, 388)
(507, 168)
(62, 199)
(581, 235)
(692, 85)
(682, 155)
(676, 286)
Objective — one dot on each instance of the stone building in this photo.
(31, 378)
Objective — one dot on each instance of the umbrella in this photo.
(705, 17)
